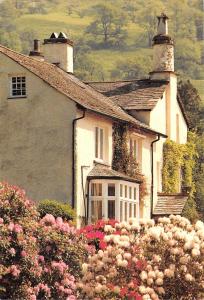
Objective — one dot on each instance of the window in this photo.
(111, 189)
(125, 211)
(134, 148)
(130, 192)
(99, 140)
(96, 189)
(111, 209)
(130, 210)
(121, 211)
(135, 210)
(96, 210)
(121, 190)
(18, 86)
(135, 193)
(125, 191)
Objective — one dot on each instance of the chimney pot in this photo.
(36, 45)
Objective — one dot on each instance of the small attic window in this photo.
(18, 86)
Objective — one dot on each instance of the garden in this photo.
(44, 256)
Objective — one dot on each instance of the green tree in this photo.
(108, 25)
(132, 68)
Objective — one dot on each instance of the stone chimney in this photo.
(163, 48)
(58, 50)
(35, 53)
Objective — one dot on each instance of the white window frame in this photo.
(22, 95)
(117, 198)
(99, 143)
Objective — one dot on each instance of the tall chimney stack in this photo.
(163, 49)
(58, 50)
(35, 53)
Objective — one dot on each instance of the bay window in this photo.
(113, 199)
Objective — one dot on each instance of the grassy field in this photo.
(74, 25)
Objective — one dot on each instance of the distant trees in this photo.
(132, 68)
(108, 25)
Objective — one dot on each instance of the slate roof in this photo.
(170, 204)
(73, 88)
(134, 94)
(101, 171)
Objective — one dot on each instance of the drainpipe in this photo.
(84, 195)
(88, 191)
(74, 156)
(152, 173)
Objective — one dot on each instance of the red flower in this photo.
(123, 291)
(141, 265)
(102, 245)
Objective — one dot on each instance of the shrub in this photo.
(147, 261)
(38, 257)
(56, 209)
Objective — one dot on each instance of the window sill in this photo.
(19, 97)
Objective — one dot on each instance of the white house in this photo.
(57, 132)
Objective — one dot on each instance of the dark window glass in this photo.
(111, 209)
(111, 189)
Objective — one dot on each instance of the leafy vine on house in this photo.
(123, 160)
(178, 171)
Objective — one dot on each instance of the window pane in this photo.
(101, 143)
(130, 192)
(96, 142)
(111, 189)
(18, 86)
(135, 149)
(135, 194)
(135, 210)
(111, 209)
(131, 146)
(96, 189)
(121, 211)
(125, 211)
(121, 190)
(125, 191)
(96, 210)
(130, 210)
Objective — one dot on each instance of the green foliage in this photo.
(195, 112)
(132, 68)
(108, 25)
(125, 25)
(56, 209)
(181, 159)
(123, 160)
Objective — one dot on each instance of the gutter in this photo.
(152, 173)
(74, 156)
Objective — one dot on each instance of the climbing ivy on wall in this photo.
(180, 159)
(123, 160)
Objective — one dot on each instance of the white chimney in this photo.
(163, 48)
(58, 50)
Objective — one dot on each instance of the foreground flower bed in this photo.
(49, 259)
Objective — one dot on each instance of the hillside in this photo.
(127, 53)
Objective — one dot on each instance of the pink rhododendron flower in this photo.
(17, 228)
(11, 226)
(1, 221)
(12, 251)
(23, 253)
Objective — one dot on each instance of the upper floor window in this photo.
(18, 86)
(134, 148)
(99, 142)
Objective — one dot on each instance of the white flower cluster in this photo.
(155, 261)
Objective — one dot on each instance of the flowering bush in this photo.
(37, 257)
(147, 261)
